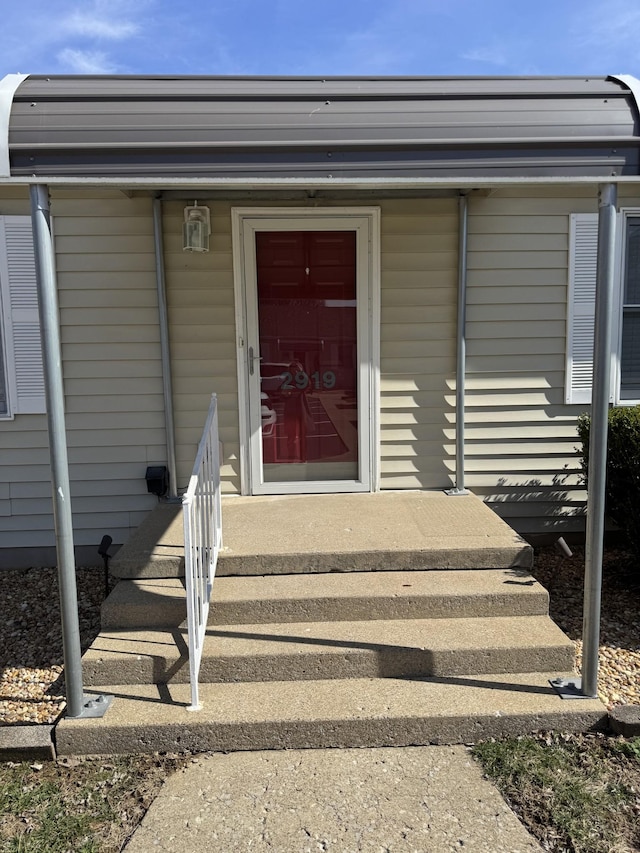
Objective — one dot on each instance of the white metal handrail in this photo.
(202, 514)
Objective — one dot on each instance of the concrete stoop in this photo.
(330, 660)
(398, 531)
(318, 714)
(336, 621)
(333, 597)
(310, 651)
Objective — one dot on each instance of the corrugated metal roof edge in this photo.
(632, 83)
(8, 87)
(72, 88)
(339, 144)
(10, 84)
(322, 77)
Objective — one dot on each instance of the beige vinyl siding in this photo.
(418, 316)
(419, 260)
(112, 376)
(200, 303)
(24, 452)
(520, 436)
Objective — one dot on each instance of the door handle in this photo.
(252, 359)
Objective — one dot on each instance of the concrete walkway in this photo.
(429, 799)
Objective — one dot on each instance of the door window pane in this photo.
(308, 349)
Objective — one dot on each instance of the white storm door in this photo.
(308, 353)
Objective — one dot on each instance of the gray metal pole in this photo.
(461, 342)
(607, 202)
(51, 353)
(164, 346)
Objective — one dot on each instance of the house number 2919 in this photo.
(299, 381)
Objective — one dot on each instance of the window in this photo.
(625, 363)
(21, 374)
(630, 346)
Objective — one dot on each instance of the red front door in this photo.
(306, 285)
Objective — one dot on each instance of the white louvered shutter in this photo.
(23, 349)
(583, 259)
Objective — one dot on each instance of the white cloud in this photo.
(84, 29)
(95, 26)
(85, 61)
(74, 36)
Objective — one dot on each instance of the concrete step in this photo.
(389, 531)
(317, 714)
(349, 596)
(291, 651)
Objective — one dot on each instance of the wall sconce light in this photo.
(196, 228)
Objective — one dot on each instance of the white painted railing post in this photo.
(202, 515)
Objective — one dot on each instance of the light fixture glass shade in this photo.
(196, 229)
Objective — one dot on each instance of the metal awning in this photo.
(325, 130)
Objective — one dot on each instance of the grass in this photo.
(89, 806)
(574, 793)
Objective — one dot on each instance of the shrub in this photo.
(623, 468)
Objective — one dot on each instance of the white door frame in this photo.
(365, 221)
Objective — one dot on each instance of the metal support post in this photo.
(587, 686)
(78, 705)
(596, 490)
(461, 344)
(164, 347)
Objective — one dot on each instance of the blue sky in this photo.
(332, 37)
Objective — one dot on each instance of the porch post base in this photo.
(94, 706)
(569, 688)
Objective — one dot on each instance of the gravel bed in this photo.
(563, 577)
(31, 664)
(31, 661)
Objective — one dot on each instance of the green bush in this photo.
(623, 468)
